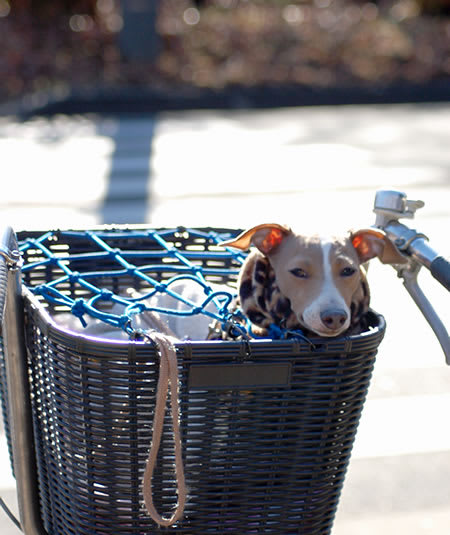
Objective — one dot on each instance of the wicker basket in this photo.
(267, 427)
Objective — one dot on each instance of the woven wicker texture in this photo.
(267, 427)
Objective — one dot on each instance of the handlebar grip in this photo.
(440, 269)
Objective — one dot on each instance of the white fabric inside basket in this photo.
(180, 327)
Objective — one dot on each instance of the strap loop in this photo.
(168, 377)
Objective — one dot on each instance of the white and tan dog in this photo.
(308, 282)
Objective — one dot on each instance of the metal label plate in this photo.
(240, 376)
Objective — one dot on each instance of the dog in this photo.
(315, 284)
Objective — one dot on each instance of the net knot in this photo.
(74, 276)
(123, 321)
(106, 295)
(40, 290)
(234, 330)
(275, 332)
(78, 309)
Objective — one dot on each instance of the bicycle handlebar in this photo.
(390, 206)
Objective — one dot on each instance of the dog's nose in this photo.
(333, 318)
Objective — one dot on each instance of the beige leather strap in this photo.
(168, 377)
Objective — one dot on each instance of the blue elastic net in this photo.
(157, 253)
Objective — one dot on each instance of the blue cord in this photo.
(185, 267)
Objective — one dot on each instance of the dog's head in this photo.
(320, 276)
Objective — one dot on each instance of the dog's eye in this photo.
(300, 273)
(348, 271)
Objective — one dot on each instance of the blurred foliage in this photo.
(58, 45)
(315, 42)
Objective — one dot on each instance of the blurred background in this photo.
(59, 46)
(234, 112)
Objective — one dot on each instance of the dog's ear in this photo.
(374, 242)
(266, 237)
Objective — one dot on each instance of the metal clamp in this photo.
(12, 258)
(9, 249)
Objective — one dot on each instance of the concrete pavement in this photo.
(309, 167)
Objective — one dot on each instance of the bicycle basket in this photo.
(267, 426)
